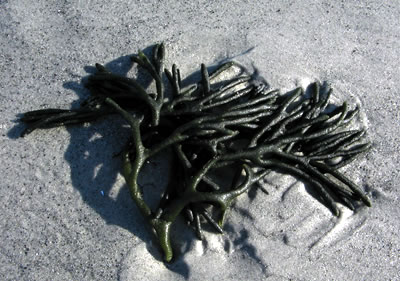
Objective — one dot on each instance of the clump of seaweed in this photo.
(223, 121)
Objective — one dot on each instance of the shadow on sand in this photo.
(95, 173)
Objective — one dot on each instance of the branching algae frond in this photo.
(224, 120)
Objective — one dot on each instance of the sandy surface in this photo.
(65, 211)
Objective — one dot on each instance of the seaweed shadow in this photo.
(95, 169)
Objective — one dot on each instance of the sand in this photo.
(65, 211)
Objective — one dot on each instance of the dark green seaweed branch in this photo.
(224, 120)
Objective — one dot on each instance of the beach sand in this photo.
(65, 211)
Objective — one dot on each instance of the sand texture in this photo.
(65, 211)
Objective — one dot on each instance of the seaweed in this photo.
(227, 120)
